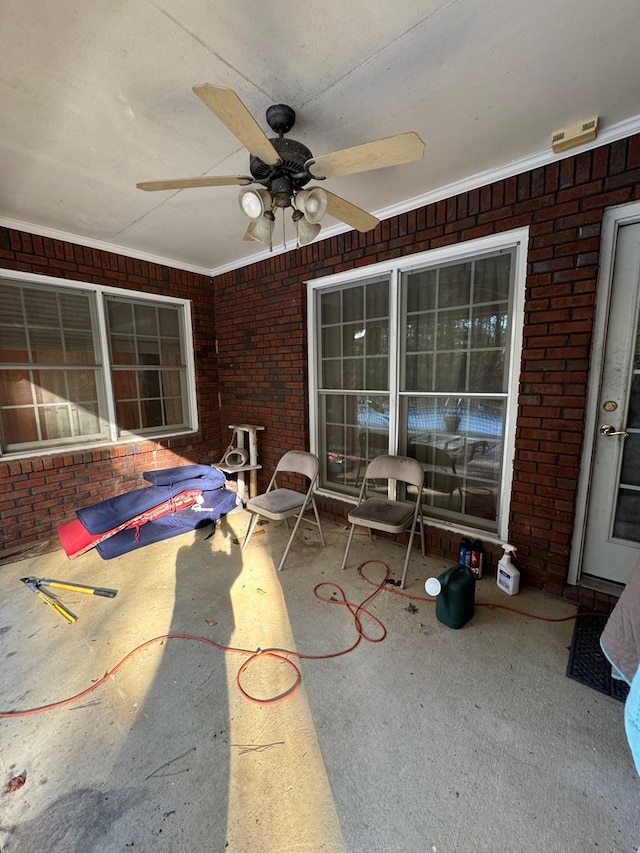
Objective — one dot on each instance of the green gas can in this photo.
(455, 590)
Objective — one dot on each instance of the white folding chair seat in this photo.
(278, 504)
(387, 515)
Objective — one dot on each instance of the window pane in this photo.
(170, 352)
(148, 351)
(454, 285)
(55, 422)
(492, 278)
(330, 308)
(451, 372)
(419, 372)
(174, 411)
(377, 374)
(49, 385)
(152, 413)
(331, 341)
(169, 322)
(487, 372)
(421, 290)
(377, 299)
(452, 329)
(120, 315)
(489, 325)
(149, 381)
(460, 443)
(421, 332)
(19, 426)
(146, 320)
(128, 417)
(123, 350)
(352, 374)
(353, 304)
(354, 337)
(355, 430)
(15, 388)
(331, 373)
(147, 399)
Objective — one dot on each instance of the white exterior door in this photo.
(612, 521)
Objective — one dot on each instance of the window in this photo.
(82, 364)
(418, 359)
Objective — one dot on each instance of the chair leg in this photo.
(315, 512)
(408, 555)
(346, 550)
(291, 538)
(250, 529)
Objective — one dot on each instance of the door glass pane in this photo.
(633, 416)
(630, 472)
(626, 524)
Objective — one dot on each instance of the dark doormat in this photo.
(587, 662)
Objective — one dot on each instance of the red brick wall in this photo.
(39, 492)
(262, 332)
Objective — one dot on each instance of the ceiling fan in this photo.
(283, 167)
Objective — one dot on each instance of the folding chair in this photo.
(381, 513)
(278, 504)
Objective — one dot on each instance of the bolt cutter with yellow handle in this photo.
(35, 585)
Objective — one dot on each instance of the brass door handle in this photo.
(609, 429)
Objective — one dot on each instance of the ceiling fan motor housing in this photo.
(291, 170)
(281, 118)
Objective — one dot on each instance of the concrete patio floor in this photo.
(420, 739)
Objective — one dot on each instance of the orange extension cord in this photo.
(283, 656)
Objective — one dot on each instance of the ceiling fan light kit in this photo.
(253, 203)
(306, 231)
(261, 229)
(313, 203)
(283, 167)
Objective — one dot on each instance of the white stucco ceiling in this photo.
(97, 95)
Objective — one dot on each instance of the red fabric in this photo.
(76, 539)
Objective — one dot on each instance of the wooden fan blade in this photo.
(188, 183)
(391, 151)
(346, 212)
(228, 107)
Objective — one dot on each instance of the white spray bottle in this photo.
(508, 577)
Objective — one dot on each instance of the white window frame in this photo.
(517, 239)
(115, 436)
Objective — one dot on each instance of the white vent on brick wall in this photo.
(575, 134)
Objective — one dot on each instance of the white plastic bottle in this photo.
(507, 576)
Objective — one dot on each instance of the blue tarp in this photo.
(216, 504)
(166, 484)
(114, 511)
